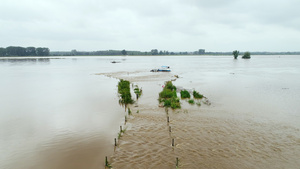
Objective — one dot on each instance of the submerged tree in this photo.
(246, 55)
(169, 96)
(235, 54)
(124, 91)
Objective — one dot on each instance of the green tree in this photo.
(74, 52)
(2, 52)
(15, 51)
(42, 51)
(124, 52)
(235, 54)
(246, 55)
(30, 51)
(154, 52)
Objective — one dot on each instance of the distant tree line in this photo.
(123, 52)
(22, 51)
(43, 51)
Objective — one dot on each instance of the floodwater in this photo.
(64, 113)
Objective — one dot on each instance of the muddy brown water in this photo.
(63, 113)
(202, 138)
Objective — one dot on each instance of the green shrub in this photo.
(184, 94)
(167, 103)
(124, 91)
(137, 90)
(175, 103)
(191, 101)
(235, 54)
(167, 93)
(169, 85)
(246, 55)
(197, 95)
(169, 96)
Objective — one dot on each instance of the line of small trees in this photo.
(22, 51)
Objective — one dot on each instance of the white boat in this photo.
(162, 69)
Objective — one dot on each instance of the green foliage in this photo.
(169, 85)
(124, 91)
(137, 90)
(124, 52)
(2, 52)
(175, 103)
(129, 111)
(246, 55)
(167, 103)
(120, 133)
(154, 52)
(123, 84)
(107, 164)
(169, 96)
(167, 93)
(198, 104)
(197, 95)
(21, 51)
(42, 51)
(191, 101)
(235, 54)
(184, 94)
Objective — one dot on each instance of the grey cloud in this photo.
(216, 25)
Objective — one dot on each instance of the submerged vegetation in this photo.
(197, 95)
(122, 131)
(137, 91)
(184, 94)
(235, 54)
(169, 96)
(246, 55)
(191, 101)
(129, 111)
(107, 164)
(124, 91)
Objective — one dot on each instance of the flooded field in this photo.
(64, 113)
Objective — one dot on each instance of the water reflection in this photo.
(16, 61)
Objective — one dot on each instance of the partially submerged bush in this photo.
(191, 101)
(169, 96)
(246, 55)
(124, 91)
(184, 94)
(167, 93)
(129, 111)
(235, 54)
(175, 103)
(137, 91)
(169, 85)
(197, 95)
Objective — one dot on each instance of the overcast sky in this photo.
(173, 25)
